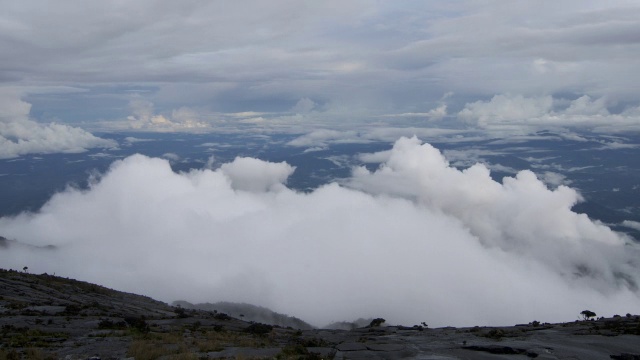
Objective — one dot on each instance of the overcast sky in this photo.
(199, 65)
(330, 72)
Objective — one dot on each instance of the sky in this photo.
(496, 66)
(412, 240)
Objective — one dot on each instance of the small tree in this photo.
(25, 268)
(587, 314)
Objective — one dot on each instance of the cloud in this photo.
(303, 105)
(631, 224)
(171, 157)
(323, 137)
(415, 240)
(343, 62)
(132, 140)
(554, 179)
(144, 118)
(314, 149)
(563, 50)
(254, 175)
(434, 114)
(506, 109)
(20, 135)
(526, 114)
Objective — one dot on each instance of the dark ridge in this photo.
(249, 312)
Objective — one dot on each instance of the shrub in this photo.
(180, 312)
(312, 342)
(108, 324)
(495, 334)
(294, 349)
(221, 316)
(72, 309)
(258, 329)
(377, 322)
(137, 323)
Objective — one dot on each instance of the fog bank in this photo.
(416, 240)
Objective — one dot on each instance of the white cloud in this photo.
(437, 113)
(375, 158)
(323, 137)
(554, 179)
(144, 118)
(416, 240)
(434, 114)
(132, 140)
(314, 149)
(303, 105)
(12, 107)
(469, 157)
(251, 174)
(584, 105)
(525, 114)
(506, 109)
(171, 156)
(20, 135)
(508, 216)
(631, 224)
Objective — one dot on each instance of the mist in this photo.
(414, 240)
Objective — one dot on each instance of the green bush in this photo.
(258, 329)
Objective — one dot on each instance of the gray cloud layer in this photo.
(415, 240)
(322, 63)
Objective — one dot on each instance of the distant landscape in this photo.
(352, 179)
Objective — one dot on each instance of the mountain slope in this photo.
(49, 317)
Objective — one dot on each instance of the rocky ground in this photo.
(48, 317)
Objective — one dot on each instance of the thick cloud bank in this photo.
(416, 240)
